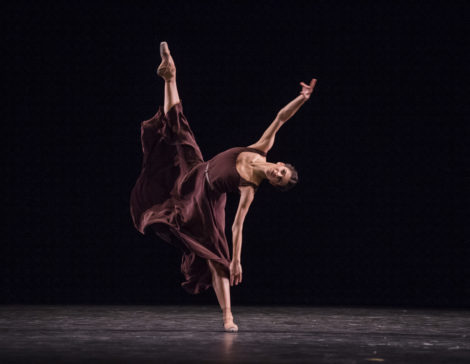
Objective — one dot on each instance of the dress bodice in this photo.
(221, 170)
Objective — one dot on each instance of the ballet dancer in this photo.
(181, 198)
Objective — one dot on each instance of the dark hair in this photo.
(294, 178)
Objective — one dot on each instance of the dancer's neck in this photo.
(259, 169)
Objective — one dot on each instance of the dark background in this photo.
(378, 217)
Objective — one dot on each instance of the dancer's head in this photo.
(283, 176)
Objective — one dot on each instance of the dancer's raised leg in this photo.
(221, 285)
(167, 71)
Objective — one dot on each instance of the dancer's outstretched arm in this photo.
(247, 195)
(266, 141)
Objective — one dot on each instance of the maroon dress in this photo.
(181, 197)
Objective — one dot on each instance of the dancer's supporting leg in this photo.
(167, 71)
(221, 284)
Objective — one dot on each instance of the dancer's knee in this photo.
(216, 268)
(211, 267)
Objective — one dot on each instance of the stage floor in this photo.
(162, 334)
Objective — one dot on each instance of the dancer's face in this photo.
(278, 174)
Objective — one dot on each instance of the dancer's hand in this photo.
(308, 89)
(235, 272)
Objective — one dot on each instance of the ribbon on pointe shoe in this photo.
(233, 327)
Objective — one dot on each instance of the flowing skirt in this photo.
(173, 200)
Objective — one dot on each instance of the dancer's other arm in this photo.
(246, 198)
(266, 141)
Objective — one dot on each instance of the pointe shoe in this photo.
(229, 325)
(167, 69)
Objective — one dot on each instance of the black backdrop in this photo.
(378, 216)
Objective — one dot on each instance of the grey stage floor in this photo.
(162, 334)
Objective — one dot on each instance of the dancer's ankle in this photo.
(227, 315)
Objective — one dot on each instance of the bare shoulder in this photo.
(251, 156)
(260, 145)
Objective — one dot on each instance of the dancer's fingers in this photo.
(303, 84)
(313, 82)
(164, 48)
